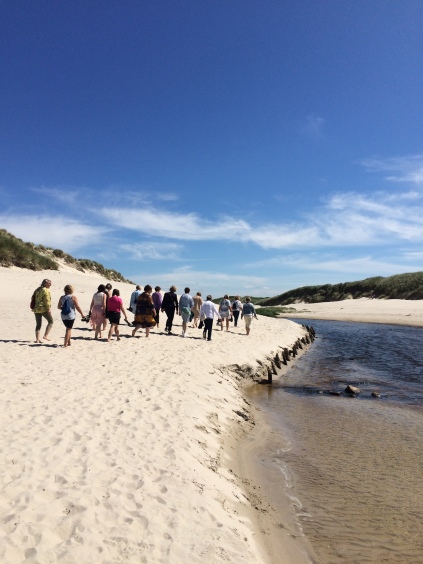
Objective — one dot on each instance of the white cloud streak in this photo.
(57, 232)
(406, 168)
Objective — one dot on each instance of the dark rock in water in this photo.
(352, 390)
(334, 393)
(375, 395)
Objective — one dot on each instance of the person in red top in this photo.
(114, 309)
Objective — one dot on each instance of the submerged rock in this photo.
(352, 390)
(375, 395)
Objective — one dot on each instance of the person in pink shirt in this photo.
(114, 309)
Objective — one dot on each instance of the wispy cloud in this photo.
(52, 231)
(173, 225)
(405, 168)
(313, 126)
(207, 281)
(152, 251)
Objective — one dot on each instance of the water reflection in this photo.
(356, 466)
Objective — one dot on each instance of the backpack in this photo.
(32, 303)
(66, 308)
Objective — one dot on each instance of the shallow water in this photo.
(352, 467)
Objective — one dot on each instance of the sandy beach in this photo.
(396, 312)
(128, 451)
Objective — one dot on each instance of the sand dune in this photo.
(397, 312)
(124, 451)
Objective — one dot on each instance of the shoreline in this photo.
(125, 450)
(281, 537)
(363, 310)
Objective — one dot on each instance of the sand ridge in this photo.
(396, 312)
(123, 451)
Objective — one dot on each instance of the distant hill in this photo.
(400, 286)
(15, 252)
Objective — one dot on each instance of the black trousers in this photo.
(208, 326)
(235, 313)
(170, 315)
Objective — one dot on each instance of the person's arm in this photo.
(59, 305)
(104, 302)
(92, 304)
(78, 309)
(122, 309)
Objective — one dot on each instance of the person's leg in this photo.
(184, 326)
(135, 330)
(112, 326)
(147, 331)
(227, 324)
(67, 336)
(209, 329)
(49, 318)
(97, 331)
(117, 332)
(170, 319)
(38, 319)
(236, 315)
(205, 327)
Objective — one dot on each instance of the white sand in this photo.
(397, 312)
(124, 451)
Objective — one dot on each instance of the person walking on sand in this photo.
(68, 304)
(108, 292)
(198, 302)
(169, 306)
(225, 310)
(114, 308)
(248, 312)
(145, 313)
(186, 303)
(134, 297)
(157, 300)
(207, 311)
(41, 299)
(98, 310)
(236, 310)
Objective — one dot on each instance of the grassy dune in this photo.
(15, 252)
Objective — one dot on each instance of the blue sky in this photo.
(232, 146)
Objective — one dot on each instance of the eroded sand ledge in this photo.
(125, 452)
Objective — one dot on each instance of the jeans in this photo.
(235, 313)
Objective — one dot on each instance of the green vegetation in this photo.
(15, 252)
(274, 311)
(400, 286)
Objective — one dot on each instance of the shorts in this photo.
(114, 317)
(68, 323)
(248, 318)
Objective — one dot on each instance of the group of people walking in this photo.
(146, 305)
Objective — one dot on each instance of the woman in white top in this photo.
(98, 310)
